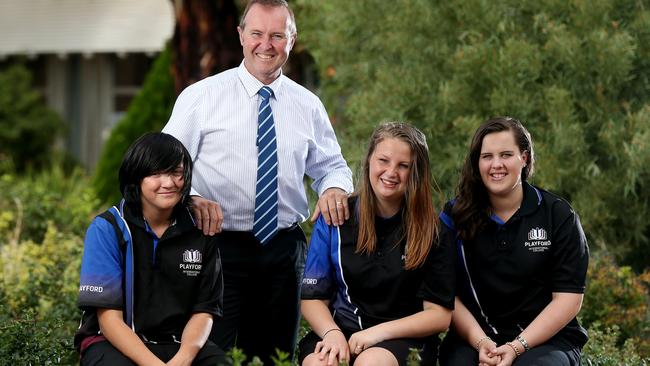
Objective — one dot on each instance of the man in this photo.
(248, 178)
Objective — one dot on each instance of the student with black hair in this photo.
(151, 283)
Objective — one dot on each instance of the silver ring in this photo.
(339, 203)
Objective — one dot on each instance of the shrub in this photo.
(29, 341)
(38, 292)
(617, 297)
(28, 128)
(602, 349)
(43, 276)
(29, 203)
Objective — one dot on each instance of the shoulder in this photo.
(445, 214)
(555, 204)
(300, 94)
(215, 83)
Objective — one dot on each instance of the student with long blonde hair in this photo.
(381, 283)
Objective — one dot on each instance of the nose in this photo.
(497, 161)
(392, 170)
(266, 43)
(166, 179)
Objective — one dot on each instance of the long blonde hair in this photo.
(419, 224)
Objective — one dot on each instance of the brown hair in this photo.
(472, 210)
(272, 3)
(419, 223)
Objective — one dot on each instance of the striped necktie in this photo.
(265, 224)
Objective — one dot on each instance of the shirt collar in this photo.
(532, 199)
(181, 218)
(252, 85)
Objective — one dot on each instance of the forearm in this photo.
(555, 316)
(195, 334)
(466, 325)
(432, 319)
(124, 339)
(318, 315)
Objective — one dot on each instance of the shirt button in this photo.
(379, 254)
(503, 243)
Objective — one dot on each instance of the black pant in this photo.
(104, 354)
(261, 297)
(557, 351)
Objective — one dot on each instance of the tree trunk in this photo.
(205, 40)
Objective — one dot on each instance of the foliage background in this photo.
(576, 72)
(28, 128)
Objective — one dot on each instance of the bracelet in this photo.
(514, 348)
(324, 334)
(523, 342)
(478, 343)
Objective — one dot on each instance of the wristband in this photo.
(478, 343)
(324, 334)
(514, 348)
(523, 342)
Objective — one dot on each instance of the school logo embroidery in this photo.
(537, 234)
(537, 240)
(192, 260)
(192, 256)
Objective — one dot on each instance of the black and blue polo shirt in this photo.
(365, 290)
(508, 272)
(157, 282)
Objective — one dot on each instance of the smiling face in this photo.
(160, 192)
(266, 39)
(389, 168)
(500, 164)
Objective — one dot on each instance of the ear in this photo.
(292, 41)
(241, 35)
(526, 157)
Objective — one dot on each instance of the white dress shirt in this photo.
(216, 120)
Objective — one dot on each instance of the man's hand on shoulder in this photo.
(333, 205)
(208, 215)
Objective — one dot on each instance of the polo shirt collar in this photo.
(532, 199)
(529, 204)
(252, 85)
(181, 218)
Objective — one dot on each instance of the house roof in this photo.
(33, 27)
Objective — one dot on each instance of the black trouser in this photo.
(104, 354)
(557, 351)
(261, 298)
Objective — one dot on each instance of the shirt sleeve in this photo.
(571, 255)
(210, 295)
(439, 283)
(325, 163)
(319, 279)
(101, 268)
(185, 120)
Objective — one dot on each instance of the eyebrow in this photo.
(499, 152)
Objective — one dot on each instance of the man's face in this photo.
(267, 40)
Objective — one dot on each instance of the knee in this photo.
(376, 356)
(312, 360)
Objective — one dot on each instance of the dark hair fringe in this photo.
(151, 153)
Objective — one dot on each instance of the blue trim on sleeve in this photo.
(128, 261)
(318, 278)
